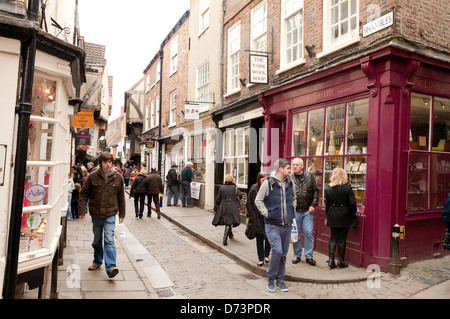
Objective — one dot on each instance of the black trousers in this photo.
(139, 199)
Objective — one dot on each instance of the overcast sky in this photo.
(132, 32)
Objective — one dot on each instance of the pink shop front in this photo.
(385, 119)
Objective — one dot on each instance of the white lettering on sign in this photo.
(258, 69)
(378, 24)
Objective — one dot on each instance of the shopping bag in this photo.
(294, 232)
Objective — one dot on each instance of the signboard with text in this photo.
(191, 112)
(259, 69)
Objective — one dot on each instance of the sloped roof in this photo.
(95, 53)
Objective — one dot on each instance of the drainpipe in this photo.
(160, 109)
(24, 111)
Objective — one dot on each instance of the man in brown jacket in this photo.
(155, 187)
(105, 191)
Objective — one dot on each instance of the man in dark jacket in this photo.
(172, 186)
(186, 179)
(155, 187)
(105, 191)
(307, 199)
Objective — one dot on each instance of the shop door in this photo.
(281, 124)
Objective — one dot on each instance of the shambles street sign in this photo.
(378, 24)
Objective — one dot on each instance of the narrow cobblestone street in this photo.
(200, 271)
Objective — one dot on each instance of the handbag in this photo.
(250, 230)
(239, 202)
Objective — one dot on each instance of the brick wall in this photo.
(423, 24)
(176, 81)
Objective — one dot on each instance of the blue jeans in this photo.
(185, 193)
(305, 220)
(104, 227)
(172, 191)
(69, 208)
(279, 239)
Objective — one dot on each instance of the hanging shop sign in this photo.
(191, 112)
(258, 69)
(83, 139)
(83, 119)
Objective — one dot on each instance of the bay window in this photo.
(334, 136)
(429, 153)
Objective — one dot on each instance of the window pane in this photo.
(335, 129)
(299, 135)
(315, 132)
(32, 232)
(37, 180)
(356, 168)
(314, 166)
(418, 181)
(440, 179)
(41, 140)
(357, 126)
(441, 124)
(330, 164)
(420, 122)
(44, 97)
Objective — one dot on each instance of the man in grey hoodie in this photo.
(276, 200)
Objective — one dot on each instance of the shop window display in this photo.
(429, 157)
(334, 136)
(236, 154)
(198, 156)
(38, 173)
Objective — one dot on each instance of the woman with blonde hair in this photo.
(226, 207)
(340, 210)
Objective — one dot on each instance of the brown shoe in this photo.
(94, 266)
(113, 272)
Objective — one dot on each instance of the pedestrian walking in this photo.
(276, 200)
(74, 200)
(186, 179)
(139, 188)
(262, 243)
(70, 188)
(126, 177)
(226, 207)
(307, 199)
(340, 210)
(172, 186)
(155, 187)
(105, 191)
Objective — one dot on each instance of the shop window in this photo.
(334, 136)
(236, 151)
(429, 153)
(197, 156)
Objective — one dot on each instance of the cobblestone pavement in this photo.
(197, 270)
(200, 271)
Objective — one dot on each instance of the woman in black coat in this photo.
(140, 185)
(226, 207)
(340, 210)
(262, 243)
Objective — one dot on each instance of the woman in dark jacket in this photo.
(446, 217)
(340, 210)
(226, 207)
(140, 184)
(262, 243)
